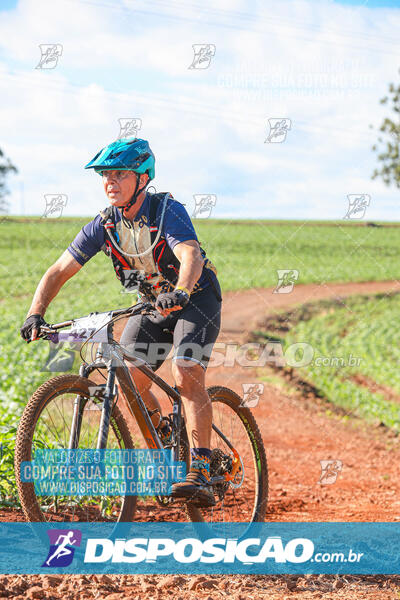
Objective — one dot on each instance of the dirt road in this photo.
(299, 431)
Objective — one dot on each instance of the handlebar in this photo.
(141, 307)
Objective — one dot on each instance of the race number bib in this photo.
(82, 329)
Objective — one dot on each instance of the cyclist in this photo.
(151, 233)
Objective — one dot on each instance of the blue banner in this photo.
(194, 548)
(81, 472)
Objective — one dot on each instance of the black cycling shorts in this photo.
(191, 331)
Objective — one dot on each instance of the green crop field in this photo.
(246, 254)
(351, 353)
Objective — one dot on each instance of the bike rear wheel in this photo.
(245, 500)
(46, 423)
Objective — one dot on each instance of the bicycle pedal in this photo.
(164, 500)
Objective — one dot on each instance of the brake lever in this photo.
(44, 331)
(147, 308)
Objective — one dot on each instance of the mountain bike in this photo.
(73, 412)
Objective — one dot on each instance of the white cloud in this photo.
(321, 64)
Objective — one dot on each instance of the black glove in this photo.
(171, 299)
(31, 323)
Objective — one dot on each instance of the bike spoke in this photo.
(53, 430)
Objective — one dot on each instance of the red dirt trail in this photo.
(298, 431)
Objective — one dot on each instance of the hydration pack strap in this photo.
(154, 203)
(211, 282)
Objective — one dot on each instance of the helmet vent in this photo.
(141, 159)
(114, 154)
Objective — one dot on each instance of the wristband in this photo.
(184, 289)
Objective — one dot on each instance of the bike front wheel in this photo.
(46, 424)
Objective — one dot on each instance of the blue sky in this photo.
(8, 4)
(321, 65)
(371, 3)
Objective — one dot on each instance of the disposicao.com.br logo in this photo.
(211, 551)
(165, 547)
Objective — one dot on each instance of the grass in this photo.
(247, 254)
(358, 338)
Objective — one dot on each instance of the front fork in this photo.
(106, 410)
(177, 421)
(79, 407)
(80, 403)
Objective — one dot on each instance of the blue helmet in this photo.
(127, 154)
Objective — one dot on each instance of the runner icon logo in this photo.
(50, 53)
(61, 551)
(251, 394)
(286, 280)
(204, 203)
(203, 54)
(55, 203)
(329, 471)
(358, 204)
(278, 129)
(129, 127)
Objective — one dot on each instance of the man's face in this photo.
(120, 185)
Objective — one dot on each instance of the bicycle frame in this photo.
(111, 356)
(112, 359)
